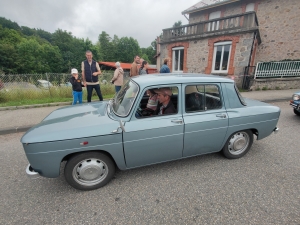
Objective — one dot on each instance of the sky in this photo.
(143, 20)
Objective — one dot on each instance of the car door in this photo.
(154, 139)
(206, 124)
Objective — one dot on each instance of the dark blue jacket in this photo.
(89, 70)
(164, 69)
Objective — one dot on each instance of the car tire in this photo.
(238, 144)
(89, 171)
(297, 112)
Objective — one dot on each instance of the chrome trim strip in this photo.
(153, 138)
(94, 146)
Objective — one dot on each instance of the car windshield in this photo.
(125, 98)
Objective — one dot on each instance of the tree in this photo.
(30, 54)
(149, 53)
(126, 49)
(107, 47)
(177, 24)
(9, 24)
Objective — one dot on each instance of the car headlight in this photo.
(296, 97)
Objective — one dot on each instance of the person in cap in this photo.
(165, 105)
(76, 87)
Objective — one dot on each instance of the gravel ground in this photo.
(263, 187)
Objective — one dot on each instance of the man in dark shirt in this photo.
(165, 105)
(90, 72)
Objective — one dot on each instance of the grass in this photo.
(19, 97)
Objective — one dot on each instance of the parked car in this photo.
(44, 84)
(295, 103)
(210, 116)
(14, 86)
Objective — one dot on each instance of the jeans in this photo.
(77, 96)
(90, 88)
(117, 88)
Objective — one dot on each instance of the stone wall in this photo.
(278, 25)
(279, 30)
(275, 83)
(197, 56)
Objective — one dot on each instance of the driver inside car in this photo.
(165, 104)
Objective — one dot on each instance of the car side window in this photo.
(202, 98)
(158, 101)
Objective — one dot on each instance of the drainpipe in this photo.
(254, 38)
(246, 71)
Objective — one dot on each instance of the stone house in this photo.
(224, 37)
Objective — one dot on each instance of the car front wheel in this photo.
(238, 144)
(297, 112)
(89, 171)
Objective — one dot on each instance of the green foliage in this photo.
(9, 24)
(126, 49)
(29, 50)
(107, 47)
(177, 24)
(148, 54)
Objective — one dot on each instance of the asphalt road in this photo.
(263, 187)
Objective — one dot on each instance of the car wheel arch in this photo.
(67, 157)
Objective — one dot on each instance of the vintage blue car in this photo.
(152, 119)
(295, 103)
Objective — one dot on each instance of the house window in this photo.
(221, 57)
(250, 7)
(177, 59)
(214, 25)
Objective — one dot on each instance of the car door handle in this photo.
(177, 121)
(221, 115)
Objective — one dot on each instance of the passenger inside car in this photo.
(151, 104)
(194, 100)
(165, 106)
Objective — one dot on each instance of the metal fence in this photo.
(47, 85)
(277, 69)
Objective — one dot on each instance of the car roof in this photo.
(175, 78)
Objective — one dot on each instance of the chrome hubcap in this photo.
(238, 143)
(90, 172)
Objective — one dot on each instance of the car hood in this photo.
(84, 120)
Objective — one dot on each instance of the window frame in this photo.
(223, 43)
(139, 99)
(215, 25)
(179, 58)
(251, 6)
(204, 107)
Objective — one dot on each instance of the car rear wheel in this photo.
(296, 112)
(89, 171)
(238, 144)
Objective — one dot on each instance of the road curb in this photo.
(15, 129)
(34, 106)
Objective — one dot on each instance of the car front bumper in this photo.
(31, 173)
(295, 104)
